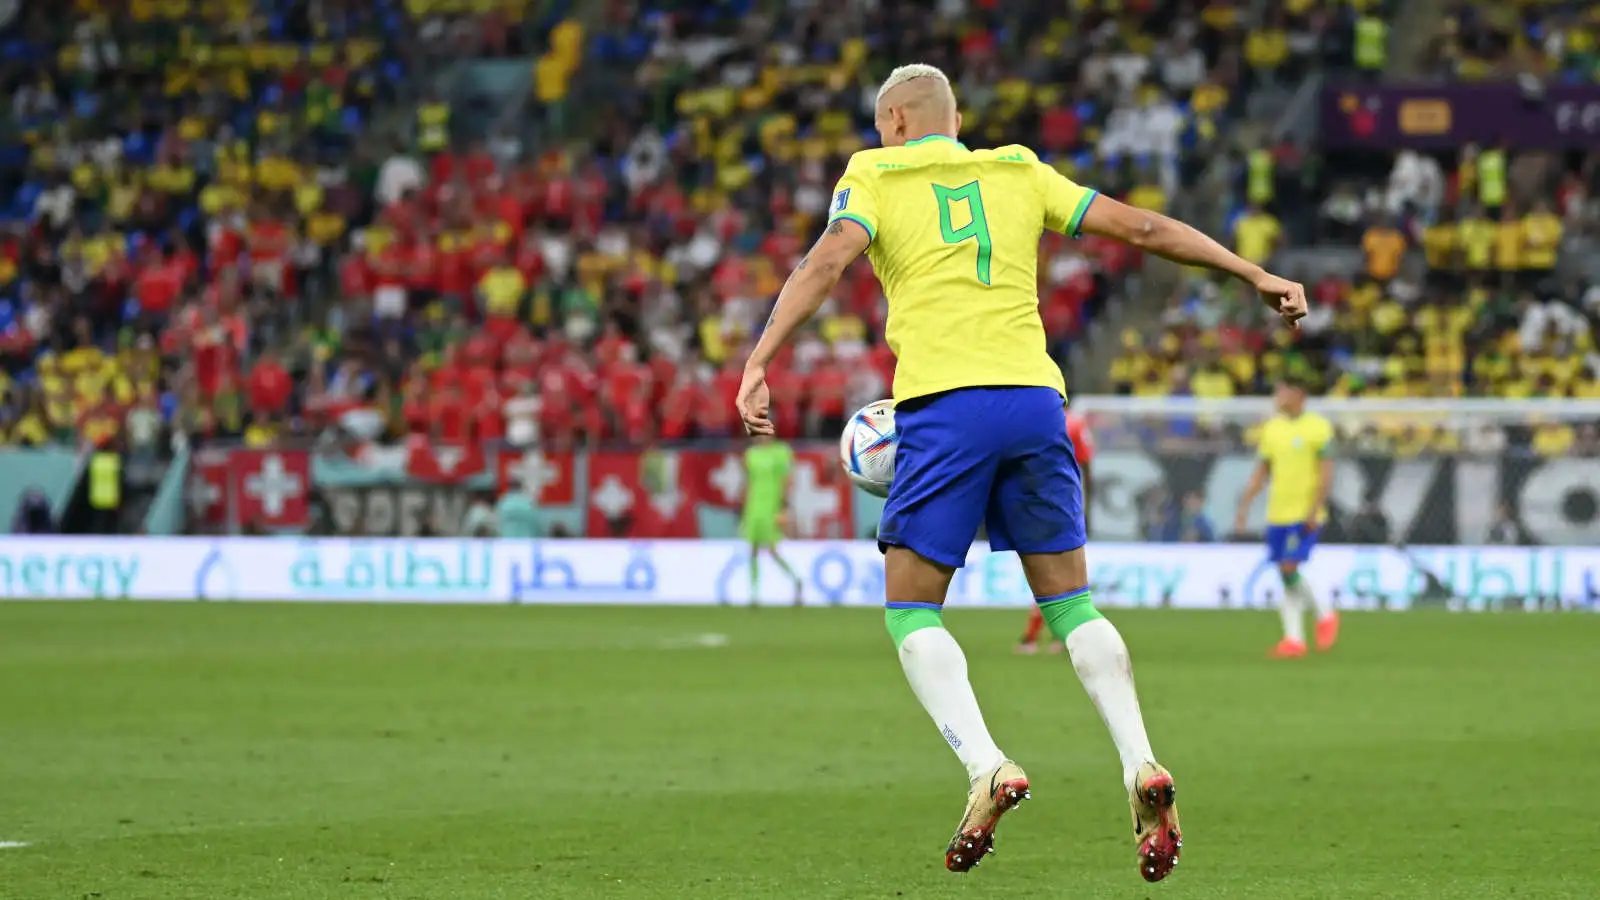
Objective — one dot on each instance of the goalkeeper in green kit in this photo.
(767, 463)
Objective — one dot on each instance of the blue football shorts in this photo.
(994, 455)
(1290, 543)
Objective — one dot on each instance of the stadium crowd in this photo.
(1478, 40)
(1457, 288)
(210, 233)
(1456, 293)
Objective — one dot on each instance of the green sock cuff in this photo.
(1066, 612)
(1290, 579)
(902, 620)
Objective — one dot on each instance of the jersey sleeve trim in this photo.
(1075, 224)
(872, 233)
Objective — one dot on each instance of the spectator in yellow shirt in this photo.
(1210, 380)
(1508, 243)
(1441, 245)
(1131, 366)
(501, 289)
(260, 434)
(1148, 194)
(1542, 232)
(1477, 235)
(1267, 48)
(1385, 248)
(31, 429)
(1256, 235)
(1553, 439)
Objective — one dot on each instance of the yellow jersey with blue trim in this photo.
(1293, 449)
(955, 243)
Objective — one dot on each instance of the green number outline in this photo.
(977, 229)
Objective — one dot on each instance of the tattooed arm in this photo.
(808, 285)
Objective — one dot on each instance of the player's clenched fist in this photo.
(1287, 298)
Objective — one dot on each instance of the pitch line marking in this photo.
(709, 640)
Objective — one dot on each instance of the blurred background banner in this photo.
(424, 489)
(1406, 471)
(1554, 117)
(713, 572)
(392, 270)
(1168, 492)
(1438, 499)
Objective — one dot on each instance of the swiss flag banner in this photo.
(713, 478)
(819, 496)
(270, 488)
(443, 463)
(638, 495)
(615, 494)
(207, 488)
(549, 477)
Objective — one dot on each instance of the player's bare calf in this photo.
(992, 796)
(1155, 822)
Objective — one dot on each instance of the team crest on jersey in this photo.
(841, 200)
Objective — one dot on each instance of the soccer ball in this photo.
(866, 449)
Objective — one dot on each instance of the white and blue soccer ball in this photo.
(867, 447)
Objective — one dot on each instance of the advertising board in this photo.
(840, 573)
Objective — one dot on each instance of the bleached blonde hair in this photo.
(911, 72)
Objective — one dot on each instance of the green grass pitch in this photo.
(278, 751)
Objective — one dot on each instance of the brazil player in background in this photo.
(1294, 456)
(767, 464)
(953, 235)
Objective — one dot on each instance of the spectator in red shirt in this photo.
(270, 241)
(158, 284)
(828, 384)
(488, 415)
(416, 409)
(269, 386)
(215, 347)
(610, 346)
(678, 407)
(451, 416)
(355, 277)
(456, 275)
(422, 265)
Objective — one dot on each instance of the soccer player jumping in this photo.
(953, 235)
(1294, 449)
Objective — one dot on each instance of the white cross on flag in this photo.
(727, 480)
(613, 498)
(270, 488)
(546, 476)
(814, 503)
(207, 489)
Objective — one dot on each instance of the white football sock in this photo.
(1291, 611)
(1101, 660)
(1309, 599)
(937, 670)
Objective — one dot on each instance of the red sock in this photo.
(1035, 622)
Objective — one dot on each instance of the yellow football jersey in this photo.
(955, 243)
(1294, 449)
